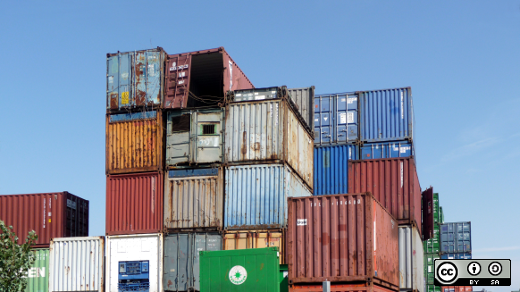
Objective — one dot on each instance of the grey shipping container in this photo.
(193, 198)
(194, 137)
(411, 259)
(304, 100)
(456, 237)
(181, 259)
(268, 131)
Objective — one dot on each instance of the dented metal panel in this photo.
(77, 264)
(268, 131)
(194, 198)
(411, 259)
(201, 78)
(135, 79)
(256, 195)
(134, 142)
(245, 239)
(342, 238)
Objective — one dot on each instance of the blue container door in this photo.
(119, 81)
(322, 120)
(386, 150)
(148, 78)
(346, 118)
(331, 168)
(335, 119)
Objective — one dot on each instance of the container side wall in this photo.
(387, 150)
(411, 259)
(38, 274)
(363, 287)
(331, 168)
(304, 99)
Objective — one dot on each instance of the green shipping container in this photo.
(255, 269)
(38, 274)
(432, 245)
(429, 266)
(441, 215)
(433, 288)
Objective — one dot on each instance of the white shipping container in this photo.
(411, 259)
(77, 264)
(136, 247)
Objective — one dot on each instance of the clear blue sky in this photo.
(461, 58)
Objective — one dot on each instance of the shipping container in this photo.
(393, 182)
(386, 115)
(194, 137)
(134, 262)
(387, 150)
(304, 100)
(427, 214)
(256, 269)
(342, 238)
(134, 203)
(135, 79)
(456, 256)
(201, 78)
(432, 245)
(245, 239)
(432, 288)
(38, 274)
(50, 215)
(456, 237)
(411, 259)
(331, 168)
(337, 287)
(256, 195)
(181, 259)
(194, 198)
(268, 131)
(134, 142)
(441, 215)
(336, 119)
(77, 264)
(457, 288)
(429, 265)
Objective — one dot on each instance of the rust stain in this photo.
(261, 266)
(170, 283)
(256, 146)
(244, 143)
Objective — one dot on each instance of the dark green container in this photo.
(433, 288)
(429, 266)
(38, 274)
(251, 270)
(284, 278)
(441, 215)
(432, 245)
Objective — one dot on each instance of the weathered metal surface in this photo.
(135, 79)
(194, 198)
(429, 259)
(194, 137)
(134, 142)
(456, 237)
(304, 100)
(137, 247)
(456, 288)
(134, 203)
(386, 115)
(50, 215)
(336, 119)
(360, 287)
(181, 259)
(245, 239)
(342, 238)
(411, 259)
(256, 195)
(77, 264)
(427, 214)
(268, 131)
(393, 182)
(387, 150)
(331, 168)
(201, 78)
(38, 274)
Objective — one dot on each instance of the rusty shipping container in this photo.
(245, 239)
(342, 238)
(134, 142)
(50, 215)
(268, 131)
(393, 182)
(194, 198)
(360, 287)
(201, 78)
(457, 289)
(134, 203)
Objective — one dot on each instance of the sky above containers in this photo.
(460, 58)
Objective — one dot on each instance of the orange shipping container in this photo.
(134, 142)
(457, 288)
(256, 239)
(363, 287)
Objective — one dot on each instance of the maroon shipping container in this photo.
(393, 182)
(50, 215)
(201, 78)
(361, 287)
(342, 238)
(134, 203)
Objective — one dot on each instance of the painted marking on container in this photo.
(404, 149)
(402, 105)
(342, 118)
(350, 118)
(351, 100)
(71, 204)
(44, 212)
(237, 275)
(259, 97)
(325, 118)
(301, 222)
(181, 82)
(182, 74)
(110, 79)
(124, 97)
(124, 75)
(151, 70)
(230, 75)
(402, 175)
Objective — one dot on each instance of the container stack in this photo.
(432, 246)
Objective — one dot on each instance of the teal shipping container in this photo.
(251, 270)
(38, 274)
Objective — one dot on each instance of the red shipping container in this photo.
(342, 238)
(457, 288)
(363, 287)
(134, 203)
(393, 182)
(50, 215)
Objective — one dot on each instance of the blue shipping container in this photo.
(152, 115)
(331, 168)
(256, 195)
(335, 119)
(386, 115)
(456, 256)
(456, 237)
(387, 150)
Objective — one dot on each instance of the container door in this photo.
(352, 118)
(176, 262)
(209, 242)
(208, 132)
(148, 78)
(120, 80)
(178, 81)
(323, 126)
(427, 214)
(178, 139)
(113, 82)
(341, 119)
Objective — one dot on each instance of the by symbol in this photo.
(474, 268)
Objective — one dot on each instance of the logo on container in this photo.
(237, 275)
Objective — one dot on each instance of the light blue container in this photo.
(456, 256)
(387, 150)
(335, 119)
(115, 118)
(331, 168)
(456, 237)
(386, 115)
(256, 195)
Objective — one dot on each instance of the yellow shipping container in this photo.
(244, 239)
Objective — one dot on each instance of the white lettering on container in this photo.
(342, 118)
(351, 100)
(402, 105)
(402, 175)
(350, 118)
(301, 222)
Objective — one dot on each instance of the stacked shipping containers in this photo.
(432, 246)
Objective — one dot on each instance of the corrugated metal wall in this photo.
(77, 264)
(38, 274)
(331, 168)
(304, 100)
(411, 259)
(387, 150)
(244, 239)
(456, 237)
